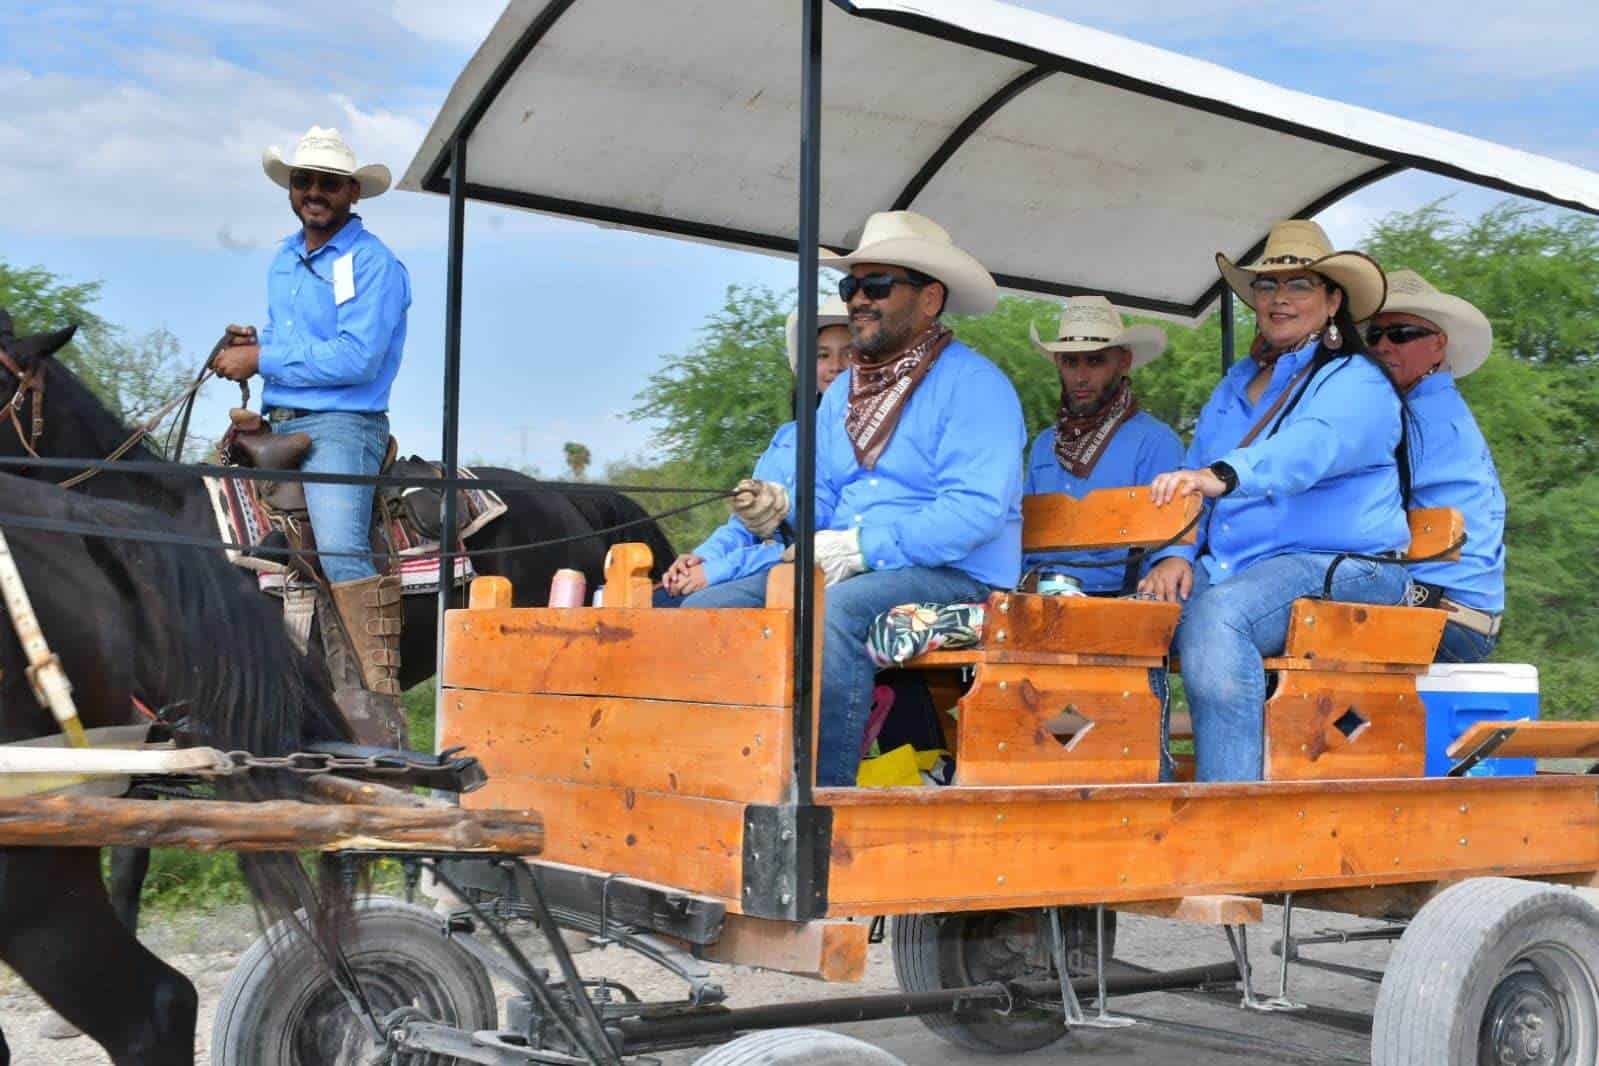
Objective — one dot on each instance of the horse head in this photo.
(29, 351)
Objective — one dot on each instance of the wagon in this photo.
(670, 752)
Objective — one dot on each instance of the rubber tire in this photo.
(1435, 992)
(926, 960)
(797, 1047)
(280, 977)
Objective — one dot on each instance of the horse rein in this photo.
(29, 382)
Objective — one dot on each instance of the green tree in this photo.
(578, 459)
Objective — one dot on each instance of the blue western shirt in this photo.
(1326, 481)
(1143, 447)
(733, 551)
(947, 489)
(1452, 467)
(326, 347)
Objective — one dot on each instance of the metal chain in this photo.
(315, 762)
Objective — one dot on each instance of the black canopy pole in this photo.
(810, 207)
(1228, 350)
(452, 392)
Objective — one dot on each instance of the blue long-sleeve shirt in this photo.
(1326, 481)
(1143, 447)
(1452, 467)
(335, 326)
(947, 489)
(733, 551)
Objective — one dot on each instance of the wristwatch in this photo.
(1228, 476)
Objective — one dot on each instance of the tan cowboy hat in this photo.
(916, 242)
(1300, 244)
(832, 313)
(1471, 336)
(324, 150)
(1089, 323)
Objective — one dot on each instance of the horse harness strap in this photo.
(50, 684)
(29, 382)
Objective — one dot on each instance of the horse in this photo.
(174, 628)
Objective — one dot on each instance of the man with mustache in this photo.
(329, 353)
(918, 487)
(1100, 438)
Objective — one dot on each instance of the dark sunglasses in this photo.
(875, 286)
(303, 180)
(1400, 334)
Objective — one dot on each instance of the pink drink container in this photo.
(568, 589)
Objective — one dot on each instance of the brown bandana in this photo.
(1265, 356)
(878, 393)
(1081, 440)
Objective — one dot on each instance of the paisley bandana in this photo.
(1080, 440)
(878, 393)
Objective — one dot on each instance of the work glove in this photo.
(838, 553)
(760, 505)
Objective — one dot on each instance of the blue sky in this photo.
(130, 141)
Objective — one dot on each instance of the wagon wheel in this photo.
(281, 1008)
(939, 951)
(1493, 972)
(798, 1047)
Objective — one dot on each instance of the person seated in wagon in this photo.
(1100, 438)
(1429, 340)
(1300, 453)
(733, 552)
(918, 483)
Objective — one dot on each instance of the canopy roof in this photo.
(1066, 159)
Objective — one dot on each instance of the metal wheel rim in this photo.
(325, 1030)
(1543, 1011)
(998, 955)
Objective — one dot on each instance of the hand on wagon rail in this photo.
(1179, 483)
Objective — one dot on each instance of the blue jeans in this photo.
(1227, 629)
(847, 671)
(1462, 645)
(342, 442)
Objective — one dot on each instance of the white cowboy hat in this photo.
(833, 312)
(1471, 336)
(1089, 323)
(324, 150)
(916, 242)
(1300, 244)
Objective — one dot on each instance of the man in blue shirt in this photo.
(1429, 340)
(1100, 438)
(918, 488)
(335, 332)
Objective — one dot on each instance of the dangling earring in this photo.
(1332, 337)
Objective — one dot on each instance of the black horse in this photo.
(174, 628)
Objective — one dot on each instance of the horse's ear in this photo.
(42, 345)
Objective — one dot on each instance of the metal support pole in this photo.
(452, 401)
(810, 208)
(1228, 344)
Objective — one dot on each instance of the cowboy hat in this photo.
(833, 312)
(1470, 334)
(1089, 323)
(1300, 244)
(324, 150)
(916, 242)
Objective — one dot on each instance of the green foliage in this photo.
(578, 458)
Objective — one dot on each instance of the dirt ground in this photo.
(1174, 1028)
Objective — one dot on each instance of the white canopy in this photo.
(1064, 158)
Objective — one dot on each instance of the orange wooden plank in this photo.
(687, 842)
(829, 950)
(692, 749)
(1081, 625)
(489, 592)
(1433, 530)
(709, 656)
(1534, 740)
(943, 660)
(1203, 910)
(627, 575)
(1105, 518)
(780, 595)
(1358, 632)
(1330, 726)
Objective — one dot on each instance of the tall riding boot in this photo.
(370, 610)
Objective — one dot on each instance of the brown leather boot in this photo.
(371, 611)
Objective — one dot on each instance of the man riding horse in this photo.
(329, 353)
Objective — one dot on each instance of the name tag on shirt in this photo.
(344, 279)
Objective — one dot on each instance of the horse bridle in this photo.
(30, 382)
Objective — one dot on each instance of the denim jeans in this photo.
(1226, 630)
(342, 442)
(1462, 645)
(847, 671)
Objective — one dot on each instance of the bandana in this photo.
(1265, 356)
(878, 393)
(1080, 440)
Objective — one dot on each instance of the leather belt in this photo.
(1480, 622)
(286, 414)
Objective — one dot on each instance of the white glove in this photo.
(760, 505)
(838, 553)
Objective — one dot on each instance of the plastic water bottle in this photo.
(568, 588)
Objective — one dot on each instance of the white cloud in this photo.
(464, 22)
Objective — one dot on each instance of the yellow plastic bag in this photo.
(900, 768)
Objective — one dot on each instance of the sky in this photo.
(131, 137)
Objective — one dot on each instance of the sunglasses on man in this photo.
(304, 180)
(1399, 334)
(875, 286)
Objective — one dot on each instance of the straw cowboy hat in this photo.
(1300, 244)
(833, 312)
(916, 242)
(324, 150)
(1470, 334)
(1089, 323)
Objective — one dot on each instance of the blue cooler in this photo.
(1459, 695)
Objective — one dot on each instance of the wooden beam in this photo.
(1203, 910)
(828, 950)
(368, 793)
(1080, 625)
(1533, 740)
(1433, 530)
(1358, 632)
(1104, 518)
